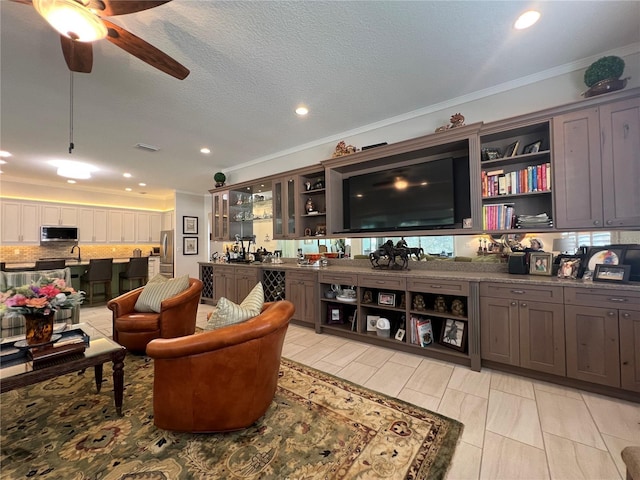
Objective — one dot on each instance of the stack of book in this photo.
(499, 216)
(533, 178)
(421, 331)
(541, 220)
(70, 344)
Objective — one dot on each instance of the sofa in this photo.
(219, 380)
(14, 324)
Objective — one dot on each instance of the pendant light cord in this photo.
(71, 145)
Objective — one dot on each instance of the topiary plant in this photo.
(220, 178)
(603, 69)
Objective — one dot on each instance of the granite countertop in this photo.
(68, 263)
(468, 271)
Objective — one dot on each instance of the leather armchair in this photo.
(219, 380)
(177, 317)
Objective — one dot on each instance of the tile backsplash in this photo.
(31, 253)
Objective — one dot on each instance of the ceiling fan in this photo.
(81, 22)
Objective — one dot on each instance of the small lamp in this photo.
(564, 245)
(71, 19)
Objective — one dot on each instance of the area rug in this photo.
(318, 427)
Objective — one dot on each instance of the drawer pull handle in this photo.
(614, 299)
(436, 286)
(519, 292)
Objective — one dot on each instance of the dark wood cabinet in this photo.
(629, 350)
(245, 279)
(301, 290)
(597, 166)
(499, 330)
(224, 282)
(220, 215)
(593, 344)
(284, 208)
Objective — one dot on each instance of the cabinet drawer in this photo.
(338, 278)
(551, 293)
(224, 270)
(446, 287)
(377, 281)
(301, 276)
(595, 297)
(244, 272)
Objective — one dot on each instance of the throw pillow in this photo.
(229, 313)
(157, 290)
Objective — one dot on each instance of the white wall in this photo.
(191, 205)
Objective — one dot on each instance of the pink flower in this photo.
(18, 300)
(49, 290)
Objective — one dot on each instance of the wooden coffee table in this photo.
(20, 372)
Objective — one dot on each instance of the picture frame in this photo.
(511, 150)
(454, 334)
(540, 263)
(335, 314)
(608, 255)
(491, 153)
(190, 245)
(532, 147)
(569, 267)
(400, 334)
(189, 225)
(387, 299)
(612, 273)
(372, 323)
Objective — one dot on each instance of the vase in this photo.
(606, 86)
(38, 327)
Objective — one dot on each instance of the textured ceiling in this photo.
(252, 63)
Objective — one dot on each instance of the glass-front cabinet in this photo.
(220, 227)
(284, 208)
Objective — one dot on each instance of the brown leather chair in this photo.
(219, 380)
(177, 317)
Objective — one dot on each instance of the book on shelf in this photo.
(421, 331)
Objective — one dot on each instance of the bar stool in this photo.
(49, 264)
(137, 271)
(100, 271)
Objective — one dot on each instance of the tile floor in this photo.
(515, 428)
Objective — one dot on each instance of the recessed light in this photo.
(71, 169)
(302, 110)
(127, 175)
(526, 20)
(71, 181)
(142, 184)
(205, 150)
(127, 189)
(4, 154)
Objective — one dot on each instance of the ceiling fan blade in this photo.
(122, 7)
(78, 55)
(144, 51)
(26, 2)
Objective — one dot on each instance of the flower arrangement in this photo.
(42, 297)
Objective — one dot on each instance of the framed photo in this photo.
(454, 334)
(611, 273)
(190, 225)
(511, 150)
(569, 267)
(540, 263)
(388, 299)
(189, 245)
(532, 147)
(400, 334)
(607, 255)
(334, 314)
(490, 153)
(372, 322)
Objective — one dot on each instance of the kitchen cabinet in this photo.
(224, 282)
(284, 208)
(148, 226)
(220, 219)
(245, 279)
(523, 326)
(154, 267)
(629, 349)
(167, 220)
(301, 290)
(92, 225)
(597, 166)
(59, 215)
(20, 222)
(121, 226)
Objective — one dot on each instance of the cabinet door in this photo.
(128, 227)
(143, 233)
(115, 226)
(630, 350)
(167, 220)
(155, 226)
(59, 215)
(100, 226)
(224, 284)
(302, 293)
(499, 330)
(542, 344)
(86, 225)
(30, 223)
(577, 170)
(593, 344)
(620, 125)
(245, 280)
(284, 208)
(220, 220)
(11, 228)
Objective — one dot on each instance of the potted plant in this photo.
(603, 76)
(220, 178)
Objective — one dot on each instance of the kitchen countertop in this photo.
(68, 263)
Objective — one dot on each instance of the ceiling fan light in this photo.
(71, 19)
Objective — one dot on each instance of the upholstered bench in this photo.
(12, 324)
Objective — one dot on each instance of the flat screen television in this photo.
(415, 197)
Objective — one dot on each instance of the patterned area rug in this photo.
(318, 427)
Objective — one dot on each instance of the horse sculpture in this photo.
(417, 251)
(390, 252)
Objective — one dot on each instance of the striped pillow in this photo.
(157, 290)
(229, 313)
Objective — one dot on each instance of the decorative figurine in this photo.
(343, 149)
(367, 297)
(418, 303)
(440, 305)
(309, 206)
(307, 185)
(457, 307)
(403, 301)
(456, 120)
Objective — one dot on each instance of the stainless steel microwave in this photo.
(58, 234)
